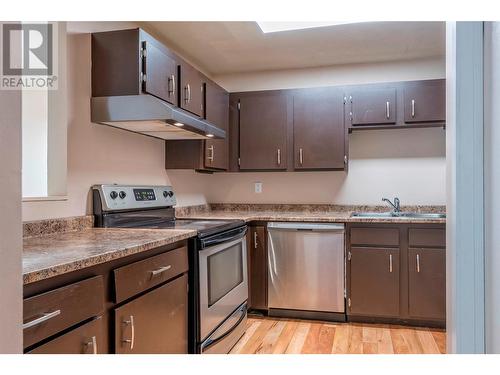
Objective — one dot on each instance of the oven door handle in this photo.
(212, 341)
(229, 236)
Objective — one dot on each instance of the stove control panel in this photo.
(127, 197)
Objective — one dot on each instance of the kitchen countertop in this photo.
(326, 217)
(59, 253)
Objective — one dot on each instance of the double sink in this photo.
(416, 215)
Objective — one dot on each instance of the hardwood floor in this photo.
(284, 336)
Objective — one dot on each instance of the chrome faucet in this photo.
(396, 206)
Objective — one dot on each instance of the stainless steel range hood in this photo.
(148, 115)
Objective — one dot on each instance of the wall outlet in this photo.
(258, 187)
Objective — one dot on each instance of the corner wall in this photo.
(10, 223)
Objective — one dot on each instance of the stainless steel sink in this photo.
(416, 215)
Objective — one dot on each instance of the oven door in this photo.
(223, 282)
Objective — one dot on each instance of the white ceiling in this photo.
(234, 47)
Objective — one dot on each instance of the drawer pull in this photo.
(130, 341)
(93, 344)
(41, 319)
(160, 270)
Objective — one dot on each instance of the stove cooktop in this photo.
(204, 227)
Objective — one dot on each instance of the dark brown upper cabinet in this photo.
(209, 155)
(217, 113)
(318, 129)
(373, 106)
(132, 62)
(192, 89)
(425, 101)
(263, 122)
(160, 70)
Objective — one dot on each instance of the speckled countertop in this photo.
(58, 253)
(310, 213)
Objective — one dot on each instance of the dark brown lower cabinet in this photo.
(427, 283)
(142, 325)
(397, 272)
(86, 339)
(374, 281)
(257, 275)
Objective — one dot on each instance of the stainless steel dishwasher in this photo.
(306, 270)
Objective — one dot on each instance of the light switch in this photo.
(258, 187)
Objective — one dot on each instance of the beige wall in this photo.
(335, 75)
(10, 223)
(409, 163)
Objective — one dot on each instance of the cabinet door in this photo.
(155, 322)
(374, 282)
(427, 283)
(86, 339)
(257, 252)
(425, 101)
(161, 73)
(191, 90)
(373, 106)
(217, 113)
(318, 129)
(263, 131)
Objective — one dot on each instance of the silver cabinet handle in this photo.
(301, 156)
(279, 156)
(171, 81)
(388, 109)
(413, 108)
(93, 344)
(187, 93)
(130, 341)
(41, 319)
(390, 263)
(211, 154)
(160, 270)
(418, 263)
(255, 240)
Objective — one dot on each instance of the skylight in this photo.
(273, 27)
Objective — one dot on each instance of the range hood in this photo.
(148, 115)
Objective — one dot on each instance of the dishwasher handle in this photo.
(315, 227)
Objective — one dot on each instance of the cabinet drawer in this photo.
(49, 313)
(87, 339)
(375, 236)
(427, 237)
(140, 276)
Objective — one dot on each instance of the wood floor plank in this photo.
(399, 343)
(298, 338)
(356, 340)
(429, 345)
(285, 337)
(384, 341)
(266, 335)
(252, 325)
(270, 338)
(440, 339)
(326, 337)
(411, 338)
(256, 340)
(341, 339)
(370, 348)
